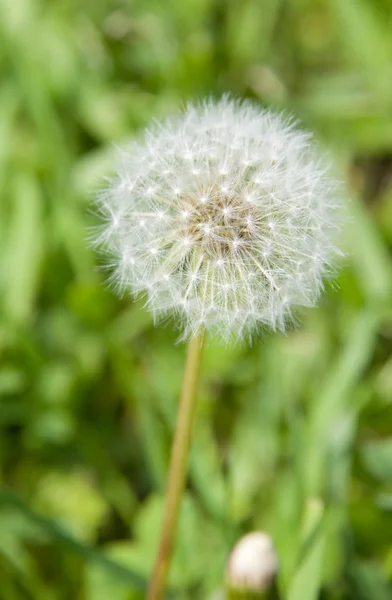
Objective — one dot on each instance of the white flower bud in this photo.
(224, 216)
(252, 564)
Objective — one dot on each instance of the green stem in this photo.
(269, 593)
(243, 595)
(178, 467)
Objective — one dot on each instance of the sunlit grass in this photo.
(293, 434)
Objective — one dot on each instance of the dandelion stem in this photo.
(178, 467)
(233, 594)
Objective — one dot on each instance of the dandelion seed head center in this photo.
(224, 222)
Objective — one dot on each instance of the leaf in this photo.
(102, 583)
(306, 583)
(53, 531)
(367, 40)
(370, 258)
(368, 582)
(330, 405)
(377, 457)
(23, 250)
(73, 500)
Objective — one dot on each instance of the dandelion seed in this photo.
(258, 218)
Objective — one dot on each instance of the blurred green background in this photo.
(294, 435)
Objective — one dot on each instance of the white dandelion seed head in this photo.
(253, 563)
(225, 215)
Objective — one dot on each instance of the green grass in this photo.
(294, 435)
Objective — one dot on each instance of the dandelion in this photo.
(224, 217)
(253, 564)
